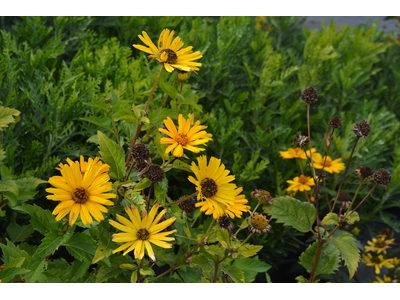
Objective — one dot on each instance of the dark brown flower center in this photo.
(80, 195)
(376, 260)
(380, 244)
(208, 187)
(172, 57)
(259, 222)
(142, 234)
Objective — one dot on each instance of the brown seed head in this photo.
(309, 95)
(225, 223)
(265, 197)
(300, 139)
(258, 224)
(335, 122)
(155, 173)
(141, 155)
(362, 129)
(382, 177)
(343, 196)
(188, 206)
(366, 172)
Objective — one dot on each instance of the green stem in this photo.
(354, 198)
(194, 221)
(216, 269)
(152, 90)
(320, 244)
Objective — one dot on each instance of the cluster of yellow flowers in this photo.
(83, 187)
(378, 245)
(304, 183)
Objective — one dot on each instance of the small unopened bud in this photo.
(309, 95)
(362, 129)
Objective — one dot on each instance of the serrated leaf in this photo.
(15, 263)
(328, 261)
(79, 269)
(11, 252)
(9, 185)
(29, 183)
(9, 274)
(234, 273)
(214, 250)
(293, 212)
(248, 250)
(330, 219)
(112, 155)
(200, 259)
(50, 244)
(251, 267)
(349, 251)
(354, 217)
(144, 184)
(159, 194)
(19, 233)
(82, 247)
(37, 267)
(223, 237)
(106, 273)
(6, 116)
(42, 220)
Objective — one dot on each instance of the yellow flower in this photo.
(296, 153)
(213, 185)
(236, 209)
(82, 191)
(170, 53)
(140, 232)
(185, 137)
(300, 183)
(394, 261)
(379, 245)
(386, 279)
(330, 166)
(376, 261)
(356, 230)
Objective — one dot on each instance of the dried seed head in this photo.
(258, 224)
(300, 139)
(225, 223)
(382, 177)
(366, 172)
(343, 196)
(335, 122)
(141, 155)
(154, 173)
(362, 129)
(188, 206)
(265, 197)
(309, 95)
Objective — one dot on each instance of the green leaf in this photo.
(7, 275)
(251, 267)
(349, 251)
(127, 266)
(200, 259)
(159, 193)
(82, 247)
(144, 184)
(354, 217)
(104, 123)
(328, 261)
(187, 231)
(146, 271)
(330, 219)
(6, 116)
(136, 111)
(2, 155)
(15, 263)
(19, 233)
(29, 183)
(178, 164)
(50, 244)
(100, 105)
(42, 220)
(134, 277)
(160, 147)
(79, 269)
(293, 212)
(214, 250)
(106, 273)
(112, 155)
(167, 88)
(248, 250)
(223, 237)
(37, 267)
(234, 273)
(301, 279)
(9, 185)
(11, 252)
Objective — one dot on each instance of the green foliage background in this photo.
(248, 93)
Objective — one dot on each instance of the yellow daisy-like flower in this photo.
(386, 279)
(82, 190)
(300, 183)
(376, 261)
(139, 232)
(379, 245)
(213, 185)
(236, 209)
(296, 153)
(394, 261)
(185, 137)
(170, 53)
(330, 165)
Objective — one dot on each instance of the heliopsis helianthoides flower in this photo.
(82, 190)
(139, 232)
(395, 261)
(170, 53)
(213, 184)
(376, 261)
(386, 279)
(185, 137)
(379, 245)
(300, 183)
(236, 209)
(296, 153)
(330, 165)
